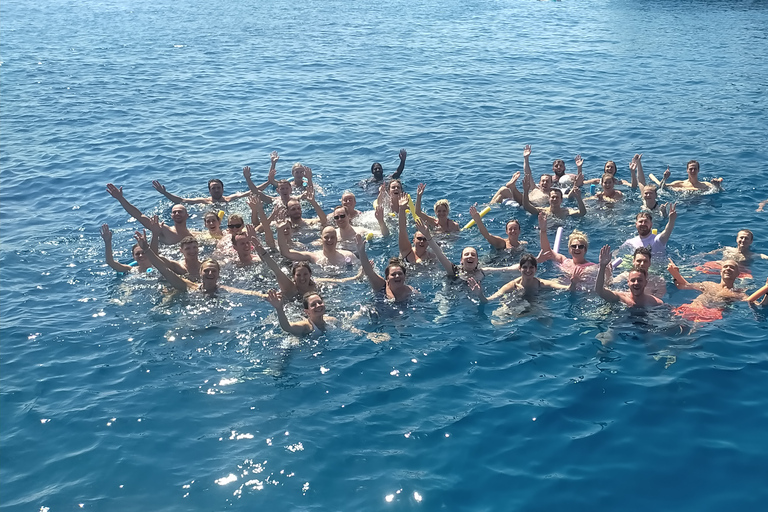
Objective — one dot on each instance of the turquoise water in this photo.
(113, 399)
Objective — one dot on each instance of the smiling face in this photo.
(513, 229)
(644, 224)
(297, 171)
(610, 167)
(744, 240)
(294, 210)
(558, 167)
(637, 282)
(693, 169)
(179, 214)
(216, 188)
(349, 201)
(395, 275)
(729, 271)
(139, 255)
(377, 171)
(545, 182)
(642, 261)
(190, 250)
(395, 191)
(469, 260)
(210, 272)
(341, 217)
(235, 224)
(577, 247)
(329, 237)
(242, 244)
(314, 306)
(650, 195)
(420, 242)
(442, 210)
(284, 189)
(528, 269)
(302, 276)
(607, 183)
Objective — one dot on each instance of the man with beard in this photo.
(638, 279)
(377, 173)
(645, 236)
(215, 187)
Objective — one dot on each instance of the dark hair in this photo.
(610, 162)
(188, 240)
(306, 296)
(556, 161)
(693, 162)
(299, 264)
(642, 250)
(215, 180)
(529, 258)
(280, 182)
(647, 215)
(236, 235)
(640, 270)
(210, 260)
(555, 189)
(374, 164)
(394, 262)
(510, 221)
(210, 213)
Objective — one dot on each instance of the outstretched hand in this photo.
(273, 158)
(246, 173)
(155, 226)
(158, 186)
(473, 212)
(527, 151)
(421, 188)
(360, 241)
(673, 211)
(275, 298)
(115, 192)
(579, 161)
(605, 255)
(106, 234)
(379, 212)
(403, 154)
(672, 268)
(141, 239)
(667, 173)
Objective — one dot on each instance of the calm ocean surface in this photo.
(114, 399)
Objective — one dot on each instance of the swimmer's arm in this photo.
(403, 242)
(257, 206)
(341, 279)
(516, 266)
(579, 201)
(173, 279)
(419, 213)
(593, 181)
(605, 262)
(379, 214)
(377, 282)
(502, 291)
(173, 265)
(527, 182)
(237, 195)
(401, 166)
(543, 240)
(496, 241)
(759, 293)
(106, 234)
(640, 173)
(286, 284)
(670, 224)
(289, 253)
(243, 292)
(447, 265)
(256, 191)
(680, 281)
(761, 205)
(134, 212)
(173, 197)
(554, 285)
(310, 196)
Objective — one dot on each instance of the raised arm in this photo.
(759, 293)
(377, 282)
(680, 281)
(157, 262)
(670, 224)
(379, 214)
(527, 185)
(605, 261)
(156, 227)
(286, 284)
(285, 247)
(419, 193)
(401, 166)
(256, 206)
(496, 241)
(310, 196)
(173, 197)
(526, 164)
(276, 300)
(447, 265)
(403, 241)
(308, 175)
(638, 165)
(255, 190)
(134, 212)
(106, 234)
(576, 193)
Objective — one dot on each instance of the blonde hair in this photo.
(442, 202)
(578, 235)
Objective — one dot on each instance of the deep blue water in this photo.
(113, 399)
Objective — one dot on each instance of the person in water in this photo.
(637, 279)
(555, 208)
(328, 255)
(139, 255)
(418, 252)
(646, 238)
(212, 222)
(578, 244)
(440, 222)
(215, 188)
(349, 201)
(189, 264)
(392, 285)
(656, 285)
(608, 168)
(512, 228)
(377, 173)
(528, 285)
(742, 253)
(468, 266)
(693, 184)
(608, 194)
(169, 235)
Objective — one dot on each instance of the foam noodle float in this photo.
(411, 207)
(482, 214)
(655, 179)
(714, 268)
(558, 237)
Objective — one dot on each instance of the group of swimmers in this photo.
(344, 234)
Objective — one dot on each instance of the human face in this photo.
(190, 250)
(743, 240)
(341, 217)
(349, 201)
(179, 214)
(294, 211)
(528, 269)
(730, 270)
(608, 184)
(216, 190)
(610, 167)
(642, 261)
(329, 237)
(235, 226)
(558, 167)
(316, 306)
(643, 225)
(395, 276)
(649, 195)
(378, 172)
(395, 189)
(210, 274)
(302, 276)
(692, 169)
(637, 282)
(469, 258)
(298, 172)
(513, 230)
(555, 198)
(420, 241)
(284, 189)
(242, 245)
(212, 223)
(578, 249)
(139, 255)
(545, 183)
(441, 211)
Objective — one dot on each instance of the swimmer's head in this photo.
(555, 197)
(138, 254)
(528, 264)
(378, 171)
(189, 247)
(293, 206)
(329, 236)
(744, 239)
(235, 224)
(302, 273)
(558, 167)
(469, 259)
(216, 188)
(341, 215)
(644, 223)
(642, 258)
(609, 168)
(729, 270)
(212, 220)
(179, 214)
(348, 199)
(578, 243)
(607, 181)
(692, 167)
(512, 228)
(395, 271)
(545, 182)
(395, 187)
(637, 279)
(442, 209)
(284, 188)
(297, 170)
(210, 270)
(650, 194)
(313, 304)
(241, 243)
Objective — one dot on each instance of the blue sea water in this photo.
(113, 398)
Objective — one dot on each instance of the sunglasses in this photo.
(578, 246)
(234, 226)
(337, 217)
(421, 238)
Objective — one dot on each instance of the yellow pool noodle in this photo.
(482, 214)
(411, 206)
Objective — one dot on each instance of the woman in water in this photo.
(528, 284)
(608, 194)
(608, 168)
(440, 222)
(578, 243)
(212, 221)
(512, 228)
(392, 285)
(139, 255)
(467, 267)
(418, 252)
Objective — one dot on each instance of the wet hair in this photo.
(578, 235)
(394, 262)
(558, 161)
(559, 192)
(693, 162)
(215, 180)
(510, 221)
(306, 296)
(133, 248)
(281, 182)
(236, 236)
(651, 186)
(441, 202)
(751, 235)
(552, 178)
(299, 264)
(647, 215)
(640, 270)
(188, 240)
(722, 263)
(340, 207)
(211, 213)
(211, 261)
(477, 263)
(235, 217)
(295, 166)
(606, 175)
(646, 251)
(528, 258)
